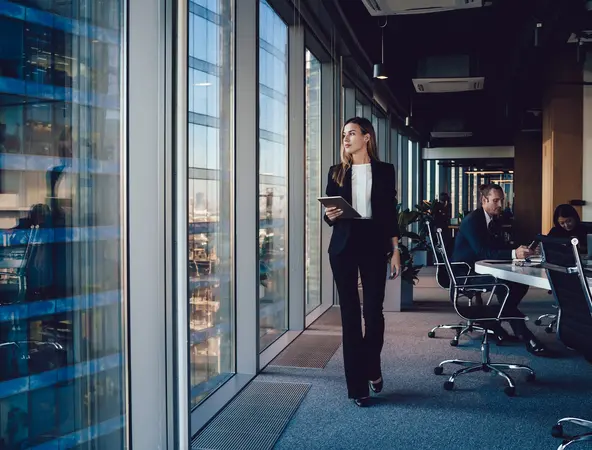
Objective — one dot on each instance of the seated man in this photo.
(480, 237)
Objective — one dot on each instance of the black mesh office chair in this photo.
(550, 326)
(443, 281)
(570, 287)
(486, 315)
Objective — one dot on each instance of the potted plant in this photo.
(399, 293)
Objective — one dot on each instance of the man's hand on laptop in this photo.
(524, 252)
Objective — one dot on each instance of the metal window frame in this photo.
(149, 69)
(330, 143)
(296, 183)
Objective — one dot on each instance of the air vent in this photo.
(584, 36)
(450, 134)
(441, 85)
(394, 7)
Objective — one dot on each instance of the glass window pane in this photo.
(453, 193)
(410, 174)
(62, 329)
(437, 187)
(429, 195)
(210, 152)
(313, 181)
(273, 154)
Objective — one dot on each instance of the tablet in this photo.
(348, 211)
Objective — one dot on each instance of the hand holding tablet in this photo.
(333, 213)
(338, 207)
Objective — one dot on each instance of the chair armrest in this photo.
(462, 263)
(477, 276)
(466, 277)
(499, 315)
(458, 263)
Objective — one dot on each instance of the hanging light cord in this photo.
(382, 27)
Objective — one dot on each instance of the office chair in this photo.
(570, 288)
(21, 255)
(443, 281)
(487, 315)
(549, 327)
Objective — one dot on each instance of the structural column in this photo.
(527, 186)
(562, 135)
(587, 140)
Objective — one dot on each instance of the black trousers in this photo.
(361, 351)
(517, 292)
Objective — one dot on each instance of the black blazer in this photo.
(474, 242)
(383, 200)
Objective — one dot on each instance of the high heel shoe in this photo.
(376, 387)
(362, 402)
(538, 349)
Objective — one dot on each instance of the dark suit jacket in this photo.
(474, 242)
(383, 200)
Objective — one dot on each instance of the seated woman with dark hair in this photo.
(568, 224)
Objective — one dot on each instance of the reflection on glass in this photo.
(62, 361)
(209, 196)
(359, 109)
(273, 154)
(313, 182)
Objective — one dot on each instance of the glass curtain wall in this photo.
(62, 329)
(273, 182)
(313, 181)
(210, 230)
(410, 175)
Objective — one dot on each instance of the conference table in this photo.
(504, 270)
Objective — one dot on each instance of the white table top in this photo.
(532, 276)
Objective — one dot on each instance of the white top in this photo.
(362, 189)
(488, 218)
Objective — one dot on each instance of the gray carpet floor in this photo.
(414, 411)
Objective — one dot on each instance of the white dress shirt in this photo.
(488, 219)
(362, 189)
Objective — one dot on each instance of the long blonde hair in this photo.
(346, 159)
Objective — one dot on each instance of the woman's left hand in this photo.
(395, 264)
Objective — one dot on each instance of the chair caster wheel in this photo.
(538, 322)
(557, 431)
(531, 377)
(454, 343)
(448, 385)
(486, 369)
(549, 330)
(431, 334)
(510, 391)
(439, 370)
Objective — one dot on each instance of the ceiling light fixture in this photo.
(539, 25)
(485, 172)
(408, 118)
(379, 69)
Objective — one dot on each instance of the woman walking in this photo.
(363, 245)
